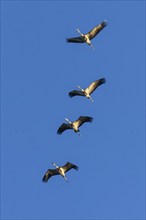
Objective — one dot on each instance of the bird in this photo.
(74, 125)
(60, 170)
(89, 36)
(89, 90)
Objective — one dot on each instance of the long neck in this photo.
(55, 165)
(68, 121)
(79, 32)
(80, 88)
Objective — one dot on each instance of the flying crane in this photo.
(89, 90)
(60, 170)
(89, 36)
(74, 125)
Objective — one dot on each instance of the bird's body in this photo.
(74, 125)
(89, 90)
(86, 38)
(59, 171)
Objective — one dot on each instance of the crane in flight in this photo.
(86, 38)
(60, 170)
(74, 125)
(89, 90)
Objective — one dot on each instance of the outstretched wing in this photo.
(75, 40)
(76, 92)
(83, 119)
(91, 34)
(63, 127)
(69, 166)
(94, 85)
(49, 173)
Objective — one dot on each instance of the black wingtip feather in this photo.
(44, 179)
(102, 81)
(88, 119)
(70, 94)
(76, 167)
(91, 119)
(104, 23)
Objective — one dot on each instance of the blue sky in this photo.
(38, 69)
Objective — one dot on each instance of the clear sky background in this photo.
(38, 69)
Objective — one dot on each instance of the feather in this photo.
(89, 90)
(75, 40)
(63, 127)
(82, 119)
(75, 93)
(69, 166)
(50, 173)
(91, 34)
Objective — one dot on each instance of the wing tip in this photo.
(44, 180)
(70, 94)
(76, 168)
(104, 23)
(90, 119)
(103, 80)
